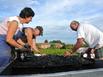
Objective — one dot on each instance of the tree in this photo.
(55, 41)
(46, 41)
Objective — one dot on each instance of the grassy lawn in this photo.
(57, 51)
(54, 51)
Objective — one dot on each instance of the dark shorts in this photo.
(99, 53)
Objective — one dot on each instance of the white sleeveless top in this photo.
(4, 26)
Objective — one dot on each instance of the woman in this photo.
(8, 30)
(28, 36)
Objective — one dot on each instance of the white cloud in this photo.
(55, 15)
(58, 11)
(13, 7)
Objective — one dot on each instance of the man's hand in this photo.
(67, 53)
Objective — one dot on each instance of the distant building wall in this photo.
(44, 45)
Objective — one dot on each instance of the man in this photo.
(28, 35)
(89, 34)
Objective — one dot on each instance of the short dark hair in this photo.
(40, 28)
(26, 12)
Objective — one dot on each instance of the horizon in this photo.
(55, 15)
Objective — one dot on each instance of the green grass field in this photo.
(57, 51)
(54, 51)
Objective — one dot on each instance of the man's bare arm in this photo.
(78, 44)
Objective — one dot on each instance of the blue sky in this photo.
(55, 15)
